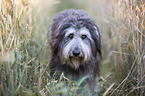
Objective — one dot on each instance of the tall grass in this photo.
(129, 31)
(16, 60)
(128, 38)
(24, 54)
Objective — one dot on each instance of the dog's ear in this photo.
(98, 34)
(96, 30)
(97, 38)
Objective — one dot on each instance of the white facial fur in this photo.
(77, 41)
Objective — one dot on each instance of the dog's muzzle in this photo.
(76, 52)
(76, 57)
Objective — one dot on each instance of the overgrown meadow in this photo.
(25, 53)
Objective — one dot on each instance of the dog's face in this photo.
(76, 47)
(74, 39)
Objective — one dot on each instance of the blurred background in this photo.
(24, 49)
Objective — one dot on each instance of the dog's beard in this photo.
(75, 62)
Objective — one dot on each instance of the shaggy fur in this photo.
(63, 45)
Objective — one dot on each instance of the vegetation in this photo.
(24, 50)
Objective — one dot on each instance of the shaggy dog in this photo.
(75, 44)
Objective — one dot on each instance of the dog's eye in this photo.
(71, 36)
(83, 36)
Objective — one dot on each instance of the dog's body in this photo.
(75, 45)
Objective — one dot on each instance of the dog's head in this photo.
(74, 38)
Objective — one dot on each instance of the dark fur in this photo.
(77, 19)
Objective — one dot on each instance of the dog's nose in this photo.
(76, 52)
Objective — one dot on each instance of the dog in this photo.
(75, 44)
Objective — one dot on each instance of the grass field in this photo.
(25, 54)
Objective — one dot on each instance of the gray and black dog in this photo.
(75, 44)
